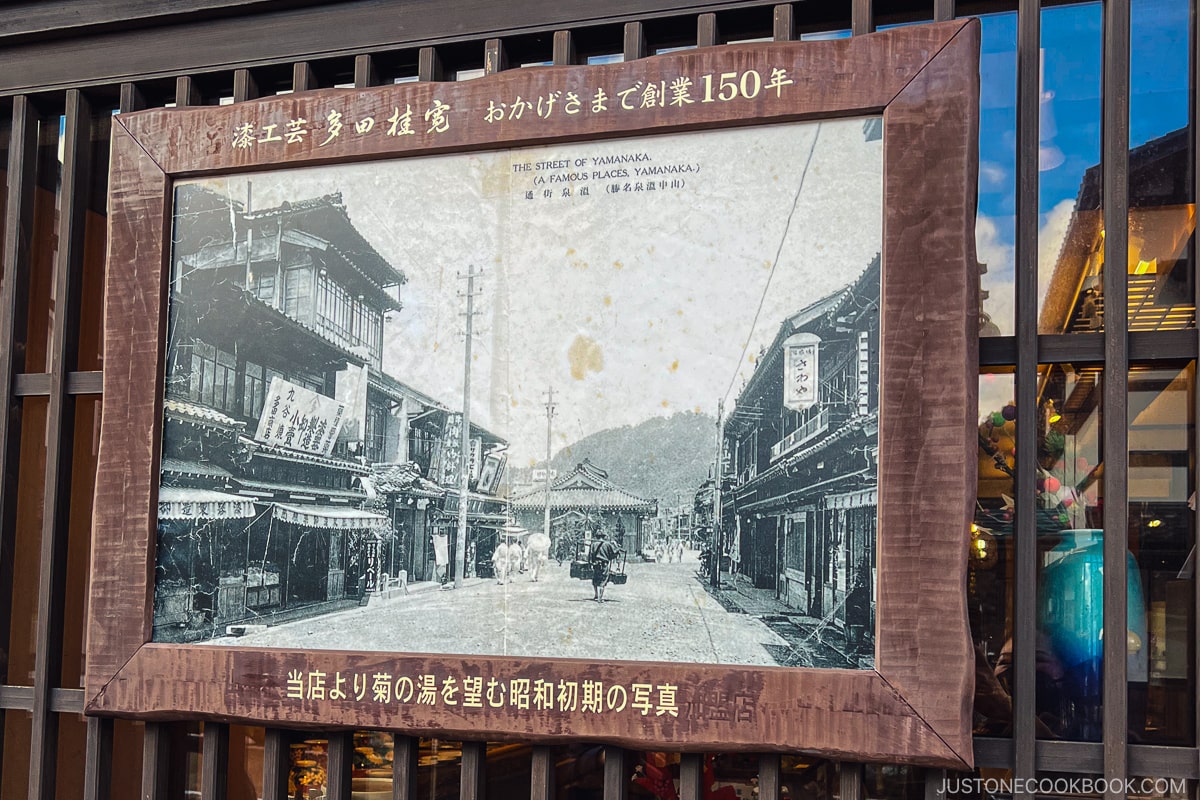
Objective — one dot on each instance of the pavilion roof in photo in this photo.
(586, 487)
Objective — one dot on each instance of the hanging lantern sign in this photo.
(801, 381)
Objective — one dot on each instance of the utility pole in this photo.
(464, 455)
(550, 406)
(717, 474)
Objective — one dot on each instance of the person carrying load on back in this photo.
(601, 557)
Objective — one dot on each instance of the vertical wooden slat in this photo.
(495, 57)
(935, 784)
(691, 777)
(405, 750)
(473, 774)
(429, 65)
(616, 781)
(862, 19)
(214, 772)
(341, 751)
(707, 33)
(1025, 389)
(14, 319)
(187, 93)
(564, 49)
(275, 765)
(132, 98)
(365, 71)
(850, 781)
(1115, 193)
(542, 785)
(60, 425)
(97, 764)
(943, 10)
(634, 41)
(303, 77)
(768, 776)
(155, 751)
(244, 86)
(1194, 119)
(784, 23)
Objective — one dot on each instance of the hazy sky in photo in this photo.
(630, 304)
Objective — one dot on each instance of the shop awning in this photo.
(331, 518)
(176, 502)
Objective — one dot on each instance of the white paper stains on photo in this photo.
(669, 448)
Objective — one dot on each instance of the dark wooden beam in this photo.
(187, 93)
(405, 750)
(275, 765)
(365, 71)
(1025, 390)
(429, 65)
(784, 23)
(564, 49)
(862, 17)
(707, 33)
(495, 57)
(616, 779)
(850, 781)
(60, 425)
(326, 30)
(691, 777)
(634, 41)
(132, 98)
(943, 10)
(303, 77)
(214, 766)
(341, 752)
(97, 762)
(768, 775)
(244, 86)
(156, 750)
(14, 318)
(1114, 423)
(471, 784)
(544, 779)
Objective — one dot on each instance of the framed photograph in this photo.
(629, 402)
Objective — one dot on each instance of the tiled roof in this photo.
(601, 499)
(194, 468)
(199, 413)
(405, 477)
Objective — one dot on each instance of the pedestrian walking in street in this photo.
(601, 558)
(500, 562)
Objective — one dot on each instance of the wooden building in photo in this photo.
(799, 511)
(585, 500)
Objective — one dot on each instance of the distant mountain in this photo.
(664, 458)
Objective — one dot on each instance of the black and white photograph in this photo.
(606, 400)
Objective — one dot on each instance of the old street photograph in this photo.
(608, 400)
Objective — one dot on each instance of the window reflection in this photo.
(1161, 544)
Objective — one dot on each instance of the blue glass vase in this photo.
(1071, 623)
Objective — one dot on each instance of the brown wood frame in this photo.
(915, 707)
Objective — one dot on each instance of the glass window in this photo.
(297, 296)
(1070, 236)
(1161, 586)
(995, 224)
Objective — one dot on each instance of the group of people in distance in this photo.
(672, 551)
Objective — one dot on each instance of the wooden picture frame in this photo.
(914, 707)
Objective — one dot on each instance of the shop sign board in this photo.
(297, 418)
(653, 240)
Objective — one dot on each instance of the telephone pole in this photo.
(717, 473)
(550, 406)
(464, 455)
